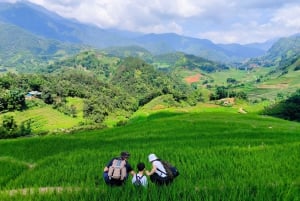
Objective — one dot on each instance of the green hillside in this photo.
(28, 52)
(220, 153)
(188, 61)
(45, 119)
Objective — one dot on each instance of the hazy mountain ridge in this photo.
(42, 22)
(282, 54)
(19, 47)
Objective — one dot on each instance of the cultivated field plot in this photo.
(221, 155)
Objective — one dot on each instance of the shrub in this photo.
(287, 109)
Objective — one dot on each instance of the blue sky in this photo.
(221, 21)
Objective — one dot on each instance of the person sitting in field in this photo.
(140, 179)
(158, 173)
(116, 172)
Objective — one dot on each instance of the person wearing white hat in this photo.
(158, 173)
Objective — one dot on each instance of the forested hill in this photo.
(282, 54)
(143, 81)
(131, 75)
(27, 52)
(188, 61)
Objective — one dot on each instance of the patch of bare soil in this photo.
(193, 78)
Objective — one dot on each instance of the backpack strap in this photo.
(138, 179)
(162, 171)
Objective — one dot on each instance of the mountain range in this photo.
(43, 23)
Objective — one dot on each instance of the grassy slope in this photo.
(285, 84)
(45, 118)
(242, 76)
(220, 153)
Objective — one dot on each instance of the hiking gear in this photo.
(171, 171)
(117, 170)
(155, 178)
(138, 180)
(152, 157)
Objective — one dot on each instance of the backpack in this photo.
(172, 171)
(117, 170)
(138, 181)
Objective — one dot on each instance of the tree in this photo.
(16, 100)
(286, 109)
(25, 128)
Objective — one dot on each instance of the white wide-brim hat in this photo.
(152, 157)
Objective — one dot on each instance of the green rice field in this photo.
(220, 154)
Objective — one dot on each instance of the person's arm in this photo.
(152, 171)
(130, 169)
(108, 165)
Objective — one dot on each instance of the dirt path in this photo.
(40, 190)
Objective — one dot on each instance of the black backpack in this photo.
(171, 170)
(138, 180)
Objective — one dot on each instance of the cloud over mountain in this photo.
(222, 21)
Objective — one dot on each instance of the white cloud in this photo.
(218, 20)
(288, 17)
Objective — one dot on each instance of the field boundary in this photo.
(40, 190)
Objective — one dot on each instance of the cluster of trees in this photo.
(11, 100)
(10, 129)
(226, 92)
(287, 109)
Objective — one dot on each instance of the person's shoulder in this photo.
(156, 161)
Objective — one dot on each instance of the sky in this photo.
(221, 21)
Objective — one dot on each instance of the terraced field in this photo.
(220, 153)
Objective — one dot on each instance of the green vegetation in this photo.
(286, 109)
(221, 155)
(29, 53)
(191, 62)
(10, 129)
(106, 87)
(146, 104)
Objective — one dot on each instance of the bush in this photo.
(287, 109)
(9, 128)
(297, 68)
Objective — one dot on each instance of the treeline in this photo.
(227, 92)
(287, 109)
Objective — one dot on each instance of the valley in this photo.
(73, 95)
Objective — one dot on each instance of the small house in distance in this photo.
(33, 94)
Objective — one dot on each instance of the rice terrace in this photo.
(89, 98)
(221, 155)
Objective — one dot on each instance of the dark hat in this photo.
(125, 154)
